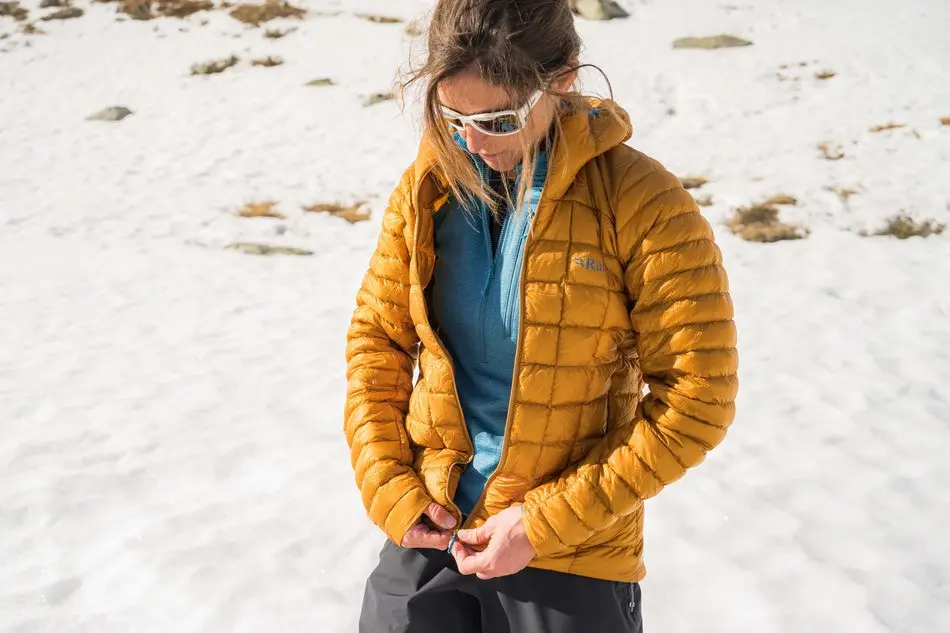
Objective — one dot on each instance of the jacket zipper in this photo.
(516, 370)
(483, 308)
(448, 358)
(468, 437)
(482, 315)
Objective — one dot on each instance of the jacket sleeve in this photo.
(682, 315)
(380, 355)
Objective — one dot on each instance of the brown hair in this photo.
(522, 45)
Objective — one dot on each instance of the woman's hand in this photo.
(421, 536)
(508, 551)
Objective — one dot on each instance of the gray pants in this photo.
(421, 591)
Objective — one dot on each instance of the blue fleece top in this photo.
(475, 306)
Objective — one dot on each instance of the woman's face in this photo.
(468, 94)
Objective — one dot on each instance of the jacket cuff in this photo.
(405, 513)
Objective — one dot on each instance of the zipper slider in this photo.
(491, 274)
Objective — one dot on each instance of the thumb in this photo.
(477, 536)
(440, 516)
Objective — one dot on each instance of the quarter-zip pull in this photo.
(491, 274)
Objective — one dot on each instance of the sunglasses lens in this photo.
(505, 124)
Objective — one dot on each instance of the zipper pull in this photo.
(491, 273)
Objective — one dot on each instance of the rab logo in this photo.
(590, 263)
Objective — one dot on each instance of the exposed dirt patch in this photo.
(711, 42)
(257, 14)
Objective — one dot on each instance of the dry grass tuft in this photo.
(844, 193)
(183, 8)
(261, 210)
(829, 152)
(379, 19)
(705, 201)
(887, 126)
(14, 10)
(416, 28)
(760, 223)
(321, 81)
(137, 9)
(902, 226)
(276, 34)
(69, 13)
(781, 198)
(214, 67)
(31, 29)
(257, 14)
(378, 97)
(351, 213)
(693, 182)
(825, 74)
(253, 248)
(711, 42)
(267, 62)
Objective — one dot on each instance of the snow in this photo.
(171, 453)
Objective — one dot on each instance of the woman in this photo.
(540, 271)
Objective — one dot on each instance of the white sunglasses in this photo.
(500, 123)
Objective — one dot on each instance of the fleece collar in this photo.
(540, 172)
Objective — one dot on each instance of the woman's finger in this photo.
(440, 516)
(436, 539)
(478, 536)
(419, 536)
(475, 563)
(411, 536)
(461, 551)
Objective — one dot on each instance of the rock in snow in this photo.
(115, 113)
(598, 9)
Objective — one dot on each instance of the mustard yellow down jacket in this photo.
(584, 447)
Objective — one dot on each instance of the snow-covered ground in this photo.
(171, 449)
